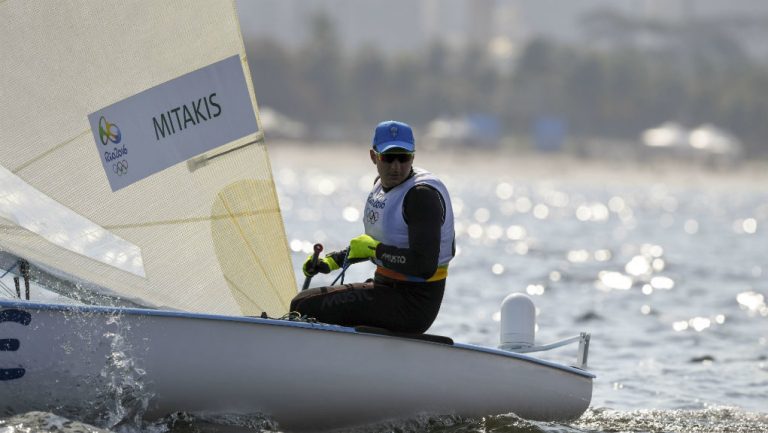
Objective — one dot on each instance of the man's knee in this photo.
(306, 294)
(294, 304)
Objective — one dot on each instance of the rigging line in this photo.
(248, 244)
(190, 220)
(7, 289)
(48, 152)
(10, 270)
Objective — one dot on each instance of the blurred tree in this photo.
(275, 76)
(320, 65)
(368, 84)
(538, 83)
(477, 82)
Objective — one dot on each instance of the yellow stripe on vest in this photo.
(440, 274)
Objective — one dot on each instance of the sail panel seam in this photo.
(48, 152)
(190, 220)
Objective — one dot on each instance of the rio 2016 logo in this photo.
(372, 216)
(108, 132)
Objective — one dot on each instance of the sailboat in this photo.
(135, 181)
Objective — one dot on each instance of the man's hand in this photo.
(324, 266)
(363, 247)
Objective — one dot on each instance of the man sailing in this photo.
(409, 235)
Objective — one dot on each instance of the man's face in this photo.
(393, 166)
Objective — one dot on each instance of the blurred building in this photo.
(477, 130)
(706, 144)
(278, 125)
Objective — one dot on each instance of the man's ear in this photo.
(373, 156)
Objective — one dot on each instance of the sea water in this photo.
(665, 265)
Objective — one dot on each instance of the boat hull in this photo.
(68, 359)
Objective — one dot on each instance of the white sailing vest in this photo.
(384, 221)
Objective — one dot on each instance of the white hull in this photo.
(304, 376)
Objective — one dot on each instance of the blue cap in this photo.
(391, 135)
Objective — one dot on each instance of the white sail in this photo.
(204, 234)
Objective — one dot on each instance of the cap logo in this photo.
(393, 131)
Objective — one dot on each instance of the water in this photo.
(666, 267)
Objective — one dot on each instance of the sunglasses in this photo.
(391, 157)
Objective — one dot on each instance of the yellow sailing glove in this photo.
(362, 247)
(324, 265)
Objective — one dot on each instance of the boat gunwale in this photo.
(278, 322)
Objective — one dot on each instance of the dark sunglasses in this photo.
(391, 157)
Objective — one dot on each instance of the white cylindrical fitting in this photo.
(518, 322)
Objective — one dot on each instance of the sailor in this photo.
(409, 235)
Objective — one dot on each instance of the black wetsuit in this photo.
(402, 306)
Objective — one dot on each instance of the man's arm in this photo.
(424, 212)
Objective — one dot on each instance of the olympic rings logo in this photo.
(372, 216)
(108, 132)
(120, 167)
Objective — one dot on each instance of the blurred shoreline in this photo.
(511, 164)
